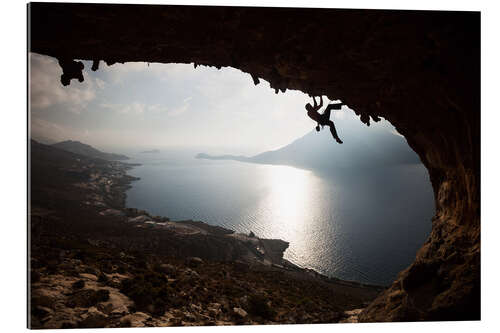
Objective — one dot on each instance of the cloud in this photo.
(156, 103)
(46, 90)
(141, 108)
(133, 108)
(100, 83)
(157, 108)
(117, 73)
(181, 109)
(49, 131)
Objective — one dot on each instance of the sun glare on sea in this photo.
(289, 207)
(288, 196)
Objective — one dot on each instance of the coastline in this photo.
(96, 263)
(268, 251)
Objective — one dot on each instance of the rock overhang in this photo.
(418, 69)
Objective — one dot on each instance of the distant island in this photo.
(88, 151)
(317, 151)
(152, 151)
(225, 157)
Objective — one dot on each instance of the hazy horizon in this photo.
(140, 106)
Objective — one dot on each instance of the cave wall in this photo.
(418, 69)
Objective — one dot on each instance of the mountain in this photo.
(87, 150)
(363, 147)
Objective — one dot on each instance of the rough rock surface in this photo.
(419, 70)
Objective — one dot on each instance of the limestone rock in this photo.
(112, 212)
(93, 319)
(136, 319)
(139, 219)
(240, 312)
(194, 262)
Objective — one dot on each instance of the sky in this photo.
(146, 106)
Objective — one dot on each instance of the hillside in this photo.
(95, 263)
(87, 150)
(318, 151)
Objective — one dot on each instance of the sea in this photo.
(361, 225)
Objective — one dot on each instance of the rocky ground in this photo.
(95, 263)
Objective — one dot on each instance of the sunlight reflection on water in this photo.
(361, 228)
(289, 210)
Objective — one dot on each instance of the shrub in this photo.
(103, 278)
(145, 289)
(257, 305)
(86, 298)
(78, 284)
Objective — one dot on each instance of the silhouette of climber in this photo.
(324, 118)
